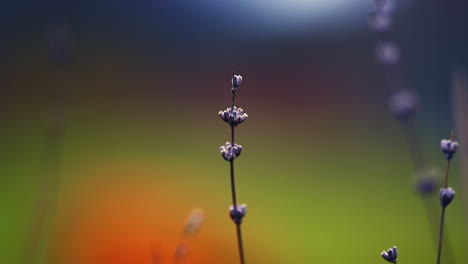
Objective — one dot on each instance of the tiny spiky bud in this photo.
(403, 104)
(380, 22)
(387, 53)
(426, 185)
(234, 116)
(446, 196)
(449, 147)
(236, 81)
(386, 7)
(390, 255)
(237, 215)
(59, 42)
(230, 152)
(193, 223)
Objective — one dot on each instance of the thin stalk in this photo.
(442, 215)
(240, 244)
(441, 232)
(233, 191)
(414, 145)
(411, 132)
(460, 99)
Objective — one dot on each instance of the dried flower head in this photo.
(387, 53)
(426, 185)
(236, 81)
(237, 215)
(230, 152)
(182, 251)
(60, 42)
(233, 116)
(403, 104)
(446, 196)
(380, 22)
(386, 7)
(390, 255)
(193, 223)
(449, 147)
(427, 180)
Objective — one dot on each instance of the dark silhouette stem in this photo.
(441, 232)
(233, 186)
(240, 244)
(411, 133)
(412, 138)
(446, 174)
(233, 191)
(442, 216)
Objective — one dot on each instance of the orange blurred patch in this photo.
(124, 215)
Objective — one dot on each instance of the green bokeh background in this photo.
(325, 169)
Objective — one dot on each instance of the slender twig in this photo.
(449, 147)
(441, 233)
(460, 109)
(403, 105)
(233, 191)
(60, 50)
(414, 145)
(240, 244)
(230, 151)
(442, 216)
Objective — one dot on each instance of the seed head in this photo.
(380, 22)
(237, 215)
(390, 255)
(236, 81)
(233, 116)
(426, 185)
(230, 152)
(403, 104)
(446, 196)
(193, 223)
(449, 147)
(387, 53)
(386, 7)
(60, 44)
(426, 181)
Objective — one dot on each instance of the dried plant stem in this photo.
(411, 132)
(410, 128)
(442, 215)
(234, 194)
(446, 174)
(460, 100)
(238, 225)
(240, 244)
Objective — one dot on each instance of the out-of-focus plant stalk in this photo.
(460, 110)
(234, 116)
(404, 104)
(449, 148)
(36, 239)
(191, 228)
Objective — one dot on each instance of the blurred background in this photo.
(109, 130)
